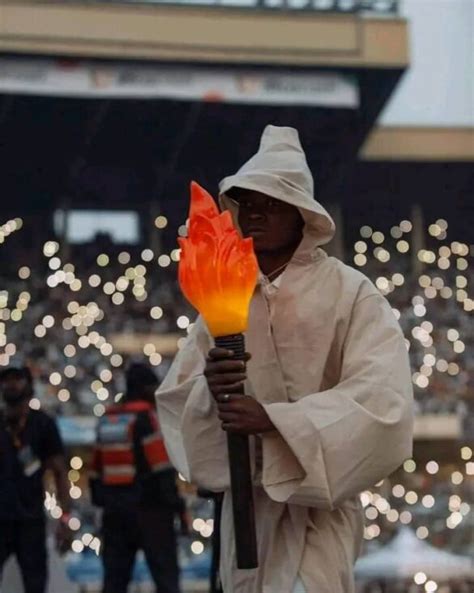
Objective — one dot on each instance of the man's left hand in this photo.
(243, 414)
(64, 537)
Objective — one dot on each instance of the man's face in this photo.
(14, 390)
(274, 226)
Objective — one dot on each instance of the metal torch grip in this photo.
(241, 477)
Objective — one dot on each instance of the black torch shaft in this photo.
(241, 477)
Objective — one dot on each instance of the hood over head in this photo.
(279, 170)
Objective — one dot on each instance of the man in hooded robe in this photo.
(328, 397)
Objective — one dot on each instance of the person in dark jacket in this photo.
(30, 444)
(135, 484)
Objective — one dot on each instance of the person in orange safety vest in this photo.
(135, 483)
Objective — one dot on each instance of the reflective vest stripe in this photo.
(159, 467)
(155, 451)
(116, 446)
(118, 474)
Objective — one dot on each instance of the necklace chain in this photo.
(277, 270)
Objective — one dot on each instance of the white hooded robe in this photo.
(330, 365)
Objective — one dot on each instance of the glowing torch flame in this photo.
(217, 269)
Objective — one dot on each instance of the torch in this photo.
(217, 274)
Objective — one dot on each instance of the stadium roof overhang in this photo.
(114, 137)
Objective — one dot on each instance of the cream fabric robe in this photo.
(331, 368)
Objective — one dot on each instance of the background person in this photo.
(135, 484)
(30, 444)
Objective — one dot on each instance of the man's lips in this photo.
(255, 230)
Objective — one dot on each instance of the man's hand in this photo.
(185, 522)
(243, 414)
(225, 378)
(223, 374)
(64, 537)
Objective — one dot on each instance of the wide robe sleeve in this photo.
(333, 444)
(193, 435)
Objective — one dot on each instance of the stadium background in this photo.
(109, 109)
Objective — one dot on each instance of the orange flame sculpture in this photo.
(218, 269)
(217, 274)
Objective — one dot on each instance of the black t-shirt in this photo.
(22, 467)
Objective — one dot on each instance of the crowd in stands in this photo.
(144, 300)
(47, 336)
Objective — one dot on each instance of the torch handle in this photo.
(241, 477)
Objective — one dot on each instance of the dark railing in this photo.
(376, 7)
